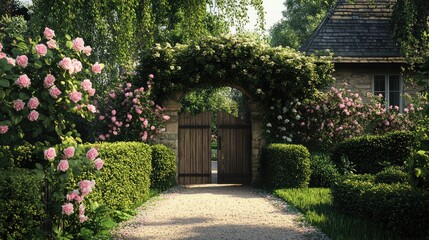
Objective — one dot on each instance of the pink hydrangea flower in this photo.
(33, 116)
(67, 208)
(78, 44)
(87, 50)
(48, 81)
(91, 92)
(33, 103)
(86, 186)
(49, 33)
(75, 96)
(77, 66)
(22, 60)
(54, 92)
(67, 64)
(50, 154)
(52, 44)
(18, 105)
(23, 81)
(10, 61)
(96, 68)
(92, 154)
(41, 49)
(4, 129)
(63, 166)
(98, 163)
(86, 84)
(69, 152)
(91, 108)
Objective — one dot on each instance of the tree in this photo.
(300, 19)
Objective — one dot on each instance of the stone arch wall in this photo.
(170, 137)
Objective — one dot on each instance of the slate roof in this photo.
(357, 31)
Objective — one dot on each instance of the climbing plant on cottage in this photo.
(274, 77)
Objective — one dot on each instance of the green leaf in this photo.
(68, 37)
(4, 83)
(16, 119)
(2, 94)
(39, 166)
(48, 61)
(69, 44)
(38, 64)
(23, 96)
(107, 223)
(37, 132)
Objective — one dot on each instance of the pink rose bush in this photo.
(51, 82)
(130, 114)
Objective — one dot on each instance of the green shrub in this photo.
(163, 167)
(21, 209)
(418, 167)
(323, 171)
(125, 177)
(397, 206)
(22, 156)
(371, 154)
(392, 174)
(286, 166)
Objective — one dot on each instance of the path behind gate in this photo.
(216, 212)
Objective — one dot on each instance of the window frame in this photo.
(387, 88)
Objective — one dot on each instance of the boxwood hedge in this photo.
(164, 167)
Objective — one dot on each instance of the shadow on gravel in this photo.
(236, 190)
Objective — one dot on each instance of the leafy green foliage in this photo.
(163, 174)
(370, 154)
(323, 171)
(125, 177)
(418, 167)
(392, 174)
(22, 213)
(285, 166)
(300, 19)
(388, 204)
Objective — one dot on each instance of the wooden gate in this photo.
(234, 146)
(194, 148)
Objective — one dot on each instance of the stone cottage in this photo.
(366, 56)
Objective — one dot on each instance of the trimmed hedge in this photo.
(397, 206)
(21, 208)
(286, 166)
(125, 177)
(22, 156)
(163, 167)
(323, 171)
(371, 154)
(393, 174)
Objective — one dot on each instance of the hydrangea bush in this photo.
(130, 114)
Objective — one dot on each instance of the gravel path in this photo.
(216, 212)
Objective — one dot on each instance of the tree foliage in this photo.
(300, 19)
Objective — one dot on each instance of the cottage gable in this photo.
(357, 31)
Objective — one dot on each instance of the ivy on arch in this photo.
(273, 77)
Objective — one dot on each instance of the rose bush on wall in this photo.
(44, 84)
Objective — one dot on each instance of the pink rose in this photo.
(77, 66)
(92, 154)
(2, 55)
(49, 33)
(54, 92)
(101, 118)
(72, 196)
(23, 81)
(63, 166)
(91, 108)
(138, 111)
(41, 49)
(67, 64)
(112, 94)
(87, 50)
(52, 44)
(144, 138)
(166, 117)
(91, 92)
(78, 44)
(81, 209)
(98, 163)
(48, 81)
(86, 84)
(67, 208)
(145, 123)
(75, 96)
(152, 128)
(10, 61)
(113, 119)
(18, 105)
(69, 152)
(33, 103)
(33, 115)
(83, 218)
(50, 154)
(113, 112)
(101, 137)
(151, 76)
(86, 186)
(96, 68)
(4, 129)
(22, 61)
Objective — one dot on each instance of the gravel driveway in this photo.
(215, 212)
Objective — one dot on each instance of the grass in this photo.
(316, 206)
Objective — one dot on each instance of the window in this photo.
(390, 86)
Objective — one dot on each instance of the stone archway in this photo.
(170, 137)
